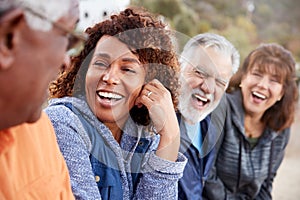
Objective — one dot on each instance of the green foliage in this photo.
(269, 21)
(167, 8)
(241, 39)
(203, 26)
(186, 21)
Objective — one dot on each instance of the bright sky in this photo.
(94, 11)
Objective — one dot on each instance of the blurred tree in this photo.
(279, 21)
(185, 22)
(167, 8)
(246, 23)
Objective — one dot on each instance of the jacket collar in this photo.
(235, 101)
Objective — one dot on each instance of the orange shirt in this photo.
(31, 164)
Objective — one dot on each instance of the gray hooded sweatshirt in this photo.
(242, 172)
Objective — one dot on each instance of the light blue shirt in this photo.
(194, 133)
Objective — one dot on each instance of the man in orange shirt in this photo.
(31, 165)
(34, 37)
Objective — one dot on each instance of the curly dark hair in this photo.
(281, 114)
(146, 36)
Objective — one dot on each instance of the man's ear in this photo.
(9, 24)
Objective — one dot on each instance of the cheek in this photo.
(91, 80)
(278, 91)
(191, 82)
(249, 81)
(133, 97)
(244, 82)
(246, 85)
(219, 93)
(133, 86)
(134, 92)
(58, 48)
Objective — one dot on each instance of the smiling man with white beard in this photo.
(207, 63)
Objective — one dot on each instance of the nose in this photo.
(263, 82)
(111, 76)
(208, 85)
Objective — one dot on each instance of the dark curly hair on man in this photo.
(146, 36)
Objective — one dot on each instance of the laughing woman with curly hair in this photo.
(113, 111)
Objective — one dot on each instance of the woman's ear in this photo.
(242, 80)
(9, 27)
(281, 95)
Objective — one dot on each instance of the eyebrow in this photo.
(131, 60)
(107, 56)
(102, 55)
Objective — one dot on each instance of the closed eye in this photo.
(128, 69)
(221, 82)
(201, 73)
(275, 79)
(256, 74)
(101, 63)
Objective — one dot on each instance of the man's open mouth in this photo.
(202, 100)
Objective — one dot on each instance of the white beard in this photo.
(191, 114)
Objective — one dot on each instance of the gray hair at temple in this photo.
(218, 42)
(53, 10)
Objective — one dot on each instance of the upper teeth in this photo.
(109, 95)
(201, 98)
(259, 95)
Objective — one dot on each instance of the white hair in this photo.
(218, 42)
(52, 9)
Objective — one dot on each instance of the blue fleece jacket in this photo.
(158, 178)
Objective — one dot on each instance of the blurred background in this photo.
(246, 23)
